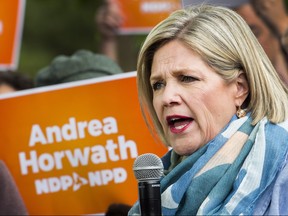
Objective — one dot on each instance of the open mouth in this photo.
(178, 124)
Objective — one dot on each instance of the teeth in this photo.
(174, 119)
(180, 127)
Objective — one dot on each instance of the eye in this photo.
(157, 85)
(187, 79)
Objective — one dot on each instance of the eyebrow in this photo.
(174, 72)
(155, 77)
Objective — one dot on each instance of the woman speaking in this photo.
(214, 97)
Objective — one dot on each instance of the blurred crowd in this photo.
(267, 19)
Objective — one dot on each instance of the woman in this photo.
(215, 98)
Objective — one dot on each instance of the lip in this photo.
(178, 123)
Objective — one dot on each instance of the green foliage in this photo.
(53, 27)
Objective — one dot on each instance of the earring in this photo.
(240, 112)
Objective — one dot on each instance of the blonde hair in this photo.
(226, 43)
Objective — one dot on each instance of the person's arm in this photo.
(274, 13)
(108, 20)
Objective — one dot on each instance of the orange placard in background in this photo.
(71, 147)
(11, 23)
(140, 16)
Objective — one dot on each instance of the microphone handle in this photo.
(150, 198)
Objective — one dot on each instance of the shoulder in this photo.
(276, 139)
(274, 201)
(278, 204)
(11, 200)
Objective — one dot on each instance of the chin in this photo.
(184, 152)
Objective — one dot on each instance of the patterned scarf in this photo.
(227, 175)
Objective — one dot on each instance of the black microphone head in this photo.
(148, 167)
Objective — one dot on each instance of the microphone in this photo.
(148, 169)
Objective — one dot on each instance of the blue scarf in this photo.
(228, 174)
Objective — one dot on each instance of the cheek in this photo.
(208, 101)
(155, 104)
(214, 108)
(157, 108)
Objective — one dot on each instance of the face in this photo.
(192, 102)
(268, 41)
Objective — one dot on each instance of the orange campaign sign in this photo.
(140, 16)
(71, 147)
(11, 23)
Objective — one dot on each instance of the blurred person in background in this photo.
(11, 81)
(83, 64)
(11, 202)
(274, 13)
(269, 22)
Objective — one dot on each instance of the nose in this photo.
(171, 95)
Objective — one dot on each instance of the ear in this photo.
(242, 89)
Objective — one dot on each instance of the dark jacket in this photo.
(11, 202)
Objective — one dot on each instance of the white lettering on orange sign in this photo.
(156, 7)
(75, 181)
(72, 130)
(34, 162)
(96, 154)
